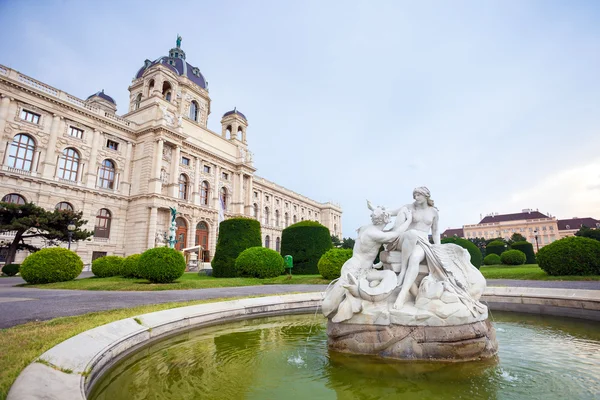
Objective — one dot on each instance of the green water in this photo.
(287, 358)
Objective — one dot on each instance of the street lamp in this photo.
(535, 235)
(70, 228)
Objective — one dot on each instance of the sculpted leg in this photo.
(409, 242)
(412, 271)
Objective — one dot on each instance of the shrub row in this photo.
(570, 256)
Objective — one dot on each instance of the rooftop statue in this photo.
(178, 42)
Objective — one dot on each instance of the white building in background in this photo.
(124, 172)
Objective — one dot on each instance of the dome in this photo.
(179, 66)
(103, 96)
(235, 111)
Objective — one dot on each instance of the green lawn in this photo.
(528, 271)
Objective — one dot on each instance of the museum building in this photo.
(124, 172)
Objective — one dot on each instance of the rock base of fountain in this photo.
(474, 341)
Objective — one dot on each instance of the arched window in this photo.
(204, 193)
(224, 198)
(106, 175)
(255, 210)
(136, 103)
(183, 187)
(240, 134)
(64, 206)
(286, 217)
(68, 165)
(194, 111)
(14, 199)
(181, 234)
(150, 87)
(277, 218)
(267, 242)
(228, 132)
(266, 216)
(166, 91)
(277, 244)
(20, 153)
(102, 228)
(202, 235)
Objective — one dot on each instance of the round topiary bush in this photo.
(492, 259)
(513, 257)
(496, 247)
(54, 264)
(306, 241)
(10, 269)
(106, 266)
(570, 256)
(469, 246)
(161, 265)
(526, 248)
(235, 236)
(330, 264)
(259, 262)
(129, 267)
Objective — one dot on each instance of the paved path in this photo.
(19, 305)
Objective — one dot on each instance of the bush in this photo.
(330, 264)
(469, 246)
(496, 247)
(306, 241)
(10, 269)
(259, 262)
(492, 259)
(513, 257)
(129, 267)
(161, 265)
(106, 266)
(526, 248)
(49, 265)
(235, 236)
(570, 256)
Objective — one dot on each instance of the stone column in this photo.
(237, 195)
(155, 185)
(49, 163)
(217, 188)
(174, 184)
(196, 182)
(4, 106)
(152, 220)
(92, 170)
(126, 184)
(249, 207)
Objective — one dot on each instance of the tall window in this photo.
(204, 193)
(202, 235)
(106, 175)
(183, 187)
(150, 87)
(267, 242)
(194, 111)
(286, 218)
(277, 218)
(224, 198)
(295, 219)
(138, 100)
(181, 234)
(277, 244)
(266, 216)
(20, 154)
(102, 228)
(64, 206)
(255, 210)
(166, 91)
(68, 165)
(14, 199)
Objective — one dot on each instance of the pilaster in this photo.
(196, 182)
(155, 185)
(174, 184)
(126, 184)
(92, 170)
(4, 106)
(152, 219)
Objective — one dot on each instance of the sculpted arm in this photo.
(435, 232)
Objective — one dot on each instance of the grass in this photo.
(528, 271)
(190, 280)
(22, 344)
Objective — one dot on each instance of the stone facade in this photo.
(124, 172)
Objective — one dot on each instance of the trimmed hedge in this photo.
(492, 259)
(259, 262)
(106, 266)
(10, 269)
(129, 267)
(496, 247)
(570, 256)
(235, 236)
(469, 246)
(330, 263)
(513, 257)
(49, 265)
(161, 265)
(306, 241)
(526, 248)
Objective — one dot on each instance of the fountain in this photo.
(420, 302)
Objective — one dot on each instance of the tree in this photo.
(517, 237)
(348, 243)
(480, 243)
(26, 221)
(584, 231)
(335, 241)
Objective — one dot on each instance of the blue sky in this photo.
(495, 106)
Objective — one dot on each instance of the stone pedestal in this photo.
(474, 341)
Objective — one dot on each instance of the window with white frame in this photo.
(30, 117)
(76, 132)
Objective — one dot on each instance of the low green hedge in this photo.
(513, 257)
(526, 248)
(49, 265)
(10, 269)
(129, 267)
(106, 266)
(492, 259)
(330, 264)
(161, 265)
(259, 262)
(570, 256)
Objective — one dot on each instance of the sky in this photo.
(493, 105)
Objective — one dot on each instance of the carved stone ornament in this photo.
(166, 153)
(168, 116)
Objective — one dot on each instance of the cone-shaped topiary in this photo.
(496, 247)
(106, 266)
(330, 264)
(526, 248)
(129, 268)
(235, 236)
(513, 257)
(54, 264)
(570, 256)
(306, 241)
(161, 265)
(471, 247)
(492, 259)
(259, 262)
